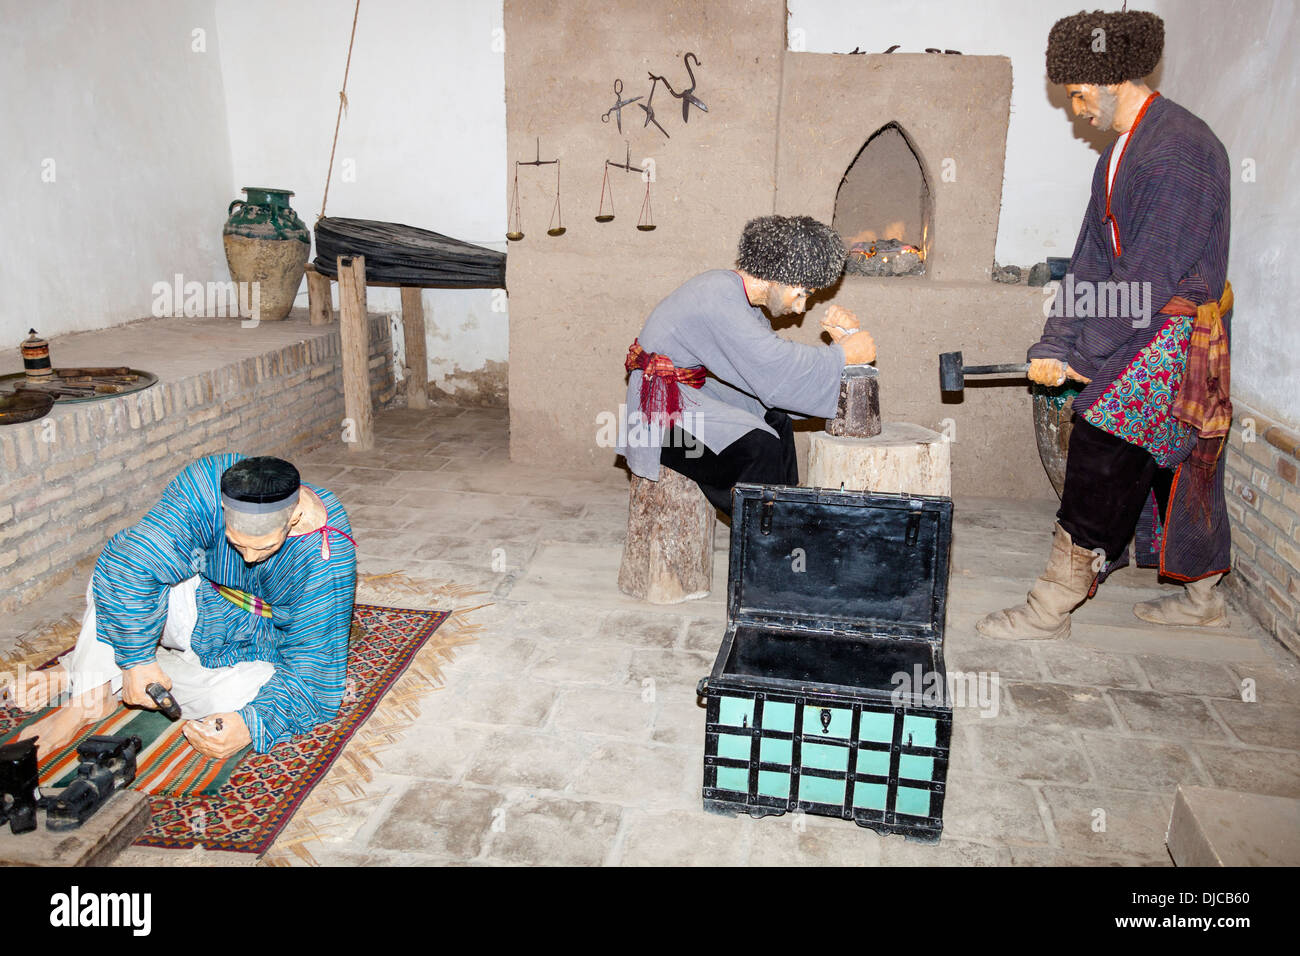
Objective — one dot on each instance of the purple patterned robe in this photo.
(1170, 202)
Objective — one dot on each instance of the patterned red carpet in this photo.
(241, 804)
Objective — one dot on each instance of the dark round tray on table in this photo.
(28, 405)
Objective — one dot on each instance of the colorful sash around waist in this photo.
(248, 602)
(661, 397)
(1204, 401)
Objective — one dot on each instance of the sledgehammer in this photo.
(952, 374)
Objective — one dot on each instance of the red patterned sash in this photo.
(661, 397)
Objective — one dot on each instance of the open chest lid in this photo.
(857, 562)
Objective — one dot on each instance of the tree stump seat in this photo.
(668, 552)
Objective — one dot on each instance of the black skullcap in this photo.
(1128, 47)
(791, 250)
(260, 485)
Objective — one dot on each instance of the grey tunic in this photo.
(708, 321)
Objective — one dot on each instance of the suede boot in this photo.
(1197, 605)
(1045, 615)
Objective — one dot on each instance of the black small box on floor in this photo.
(829, 694)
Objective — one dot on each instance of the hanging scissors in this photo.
(619, 103)
(649, 109)
(687, 96)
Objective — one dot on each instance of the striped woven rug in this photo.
(166, 764)
(241, 803)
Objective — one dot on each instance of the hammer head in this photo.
(951, 378)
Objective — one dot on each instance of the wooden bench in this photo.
(355, 346)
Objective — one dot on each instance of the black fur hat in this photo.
(792, 250)
(1104, 48)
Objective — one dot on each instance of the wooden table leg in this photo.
(358, 427)
(319, 303)
(417, 362)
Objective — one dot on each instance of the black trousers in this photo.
(753, 457)
(1107, 481)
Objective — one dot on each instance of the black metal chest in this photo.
(829, 694)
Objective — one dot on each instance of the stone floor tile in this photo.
(1084, 665)
(591, 710)
(524, 759)
(684, 838)
(896, 850)
(574, 663)
(636, 775)
(1130, 763)
(705, 634)
(554, 831)
(1174, 716)
(1104, 822)
(514, 702)
(1051, 856)
(438, 818)
(678, 669)
(985, 809)
(641, 628)
(1174, 675)
(1273, 683)
(505, 659)
(1066, 705)
(1272, 772)
(805, 840)
(1026, 753)
(436, 751)
(1261, 724)
(1010, 660)
(679, 719)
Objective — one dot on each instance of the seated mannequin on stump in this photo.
(232, 594)
(732, 422)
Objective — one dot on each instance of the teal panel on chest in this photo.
(733, 746)
(827, 721)
(912, 801)
(736, 711)
(778, 716)
(772, 750)
(876, 726)
(824, 757)
(874, 762)
(821, 789)
(734, 778)
(870, 796)
(916, 768)
(918, 731)
(772, 783)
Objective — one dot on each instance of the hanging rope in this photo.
(343, 105)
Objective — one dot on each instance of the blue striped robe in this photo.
(306, 637)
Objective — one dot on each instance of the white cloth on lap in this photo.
(200, 691)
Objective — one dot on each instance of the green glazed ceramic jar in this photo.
(268, 244)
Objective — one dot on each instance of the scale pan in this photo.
(557, 231)
(649, 228)
(605, 218)
(514, 236)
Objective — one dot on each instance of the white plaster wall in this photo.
(423, 141)
(132, 118)
(1251, 107)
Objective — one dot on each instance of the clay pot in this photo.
(267, 243)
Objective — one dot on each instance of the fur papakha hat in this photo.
(1128, 47)
(792, 250)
